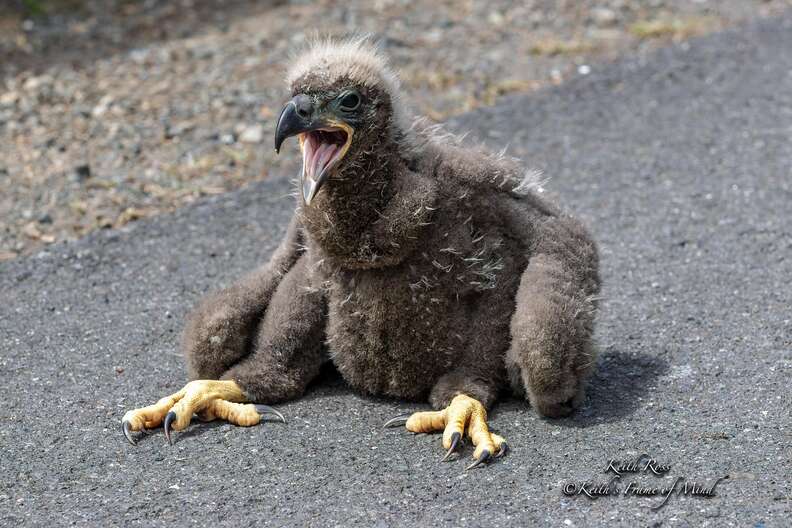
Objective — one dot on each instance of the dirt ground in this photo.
(114, 110)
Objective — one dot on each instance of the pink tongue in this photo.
(313, 154)
(323, 155)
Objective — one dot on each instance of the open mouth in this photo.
(322, 150)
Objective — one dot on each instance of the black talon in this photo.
(455, 437)
(396, 421)
(169, 418)
(485, 455)
(502, 450)
(266, 409)
(128, 432)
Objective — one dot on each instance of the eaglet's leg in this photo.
(463, 395)
(552, 353)
(275, 358)
(464, 416)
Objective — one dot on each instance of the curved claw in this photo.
(455, 437)
(266, 409)
(504, 448)
(169, 419)
(396, 421)
(483, 457)
(128, 432)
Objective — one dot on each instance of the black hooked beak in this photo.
(296, 117)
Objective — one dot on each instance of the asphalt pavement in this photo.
(682, 165)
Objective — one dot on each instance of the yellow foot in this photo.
(463, 415)
(210, 399)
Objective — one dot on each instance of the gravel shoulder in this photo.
(116, 110)
(680, 162)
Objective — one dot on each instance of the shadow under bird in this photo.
(423, 268)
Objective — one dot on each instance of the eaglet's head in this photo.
(344, 110)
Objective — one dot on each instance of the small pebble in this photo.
(602, 16)
(253, 134)
(82, 172)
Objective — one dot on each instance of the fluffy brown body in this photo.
(420, 273)
(423, 269)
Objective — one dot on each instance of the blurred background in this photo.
(116, 110)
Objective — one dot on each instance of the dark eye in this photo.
(349, 101)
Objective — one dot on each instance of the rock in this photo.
(139, 55)
(34, 83)
(602, 16)
(82, 172)
(31, 230)
(104, 103)
(496, 18)
(252, 134)
(177, 129)
(9, 98)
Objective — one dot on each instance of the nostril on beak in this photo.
(303, 106)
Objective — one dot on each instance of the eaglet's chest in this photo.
(385, 330)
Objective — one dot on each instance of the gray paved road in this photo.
(682, 165)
